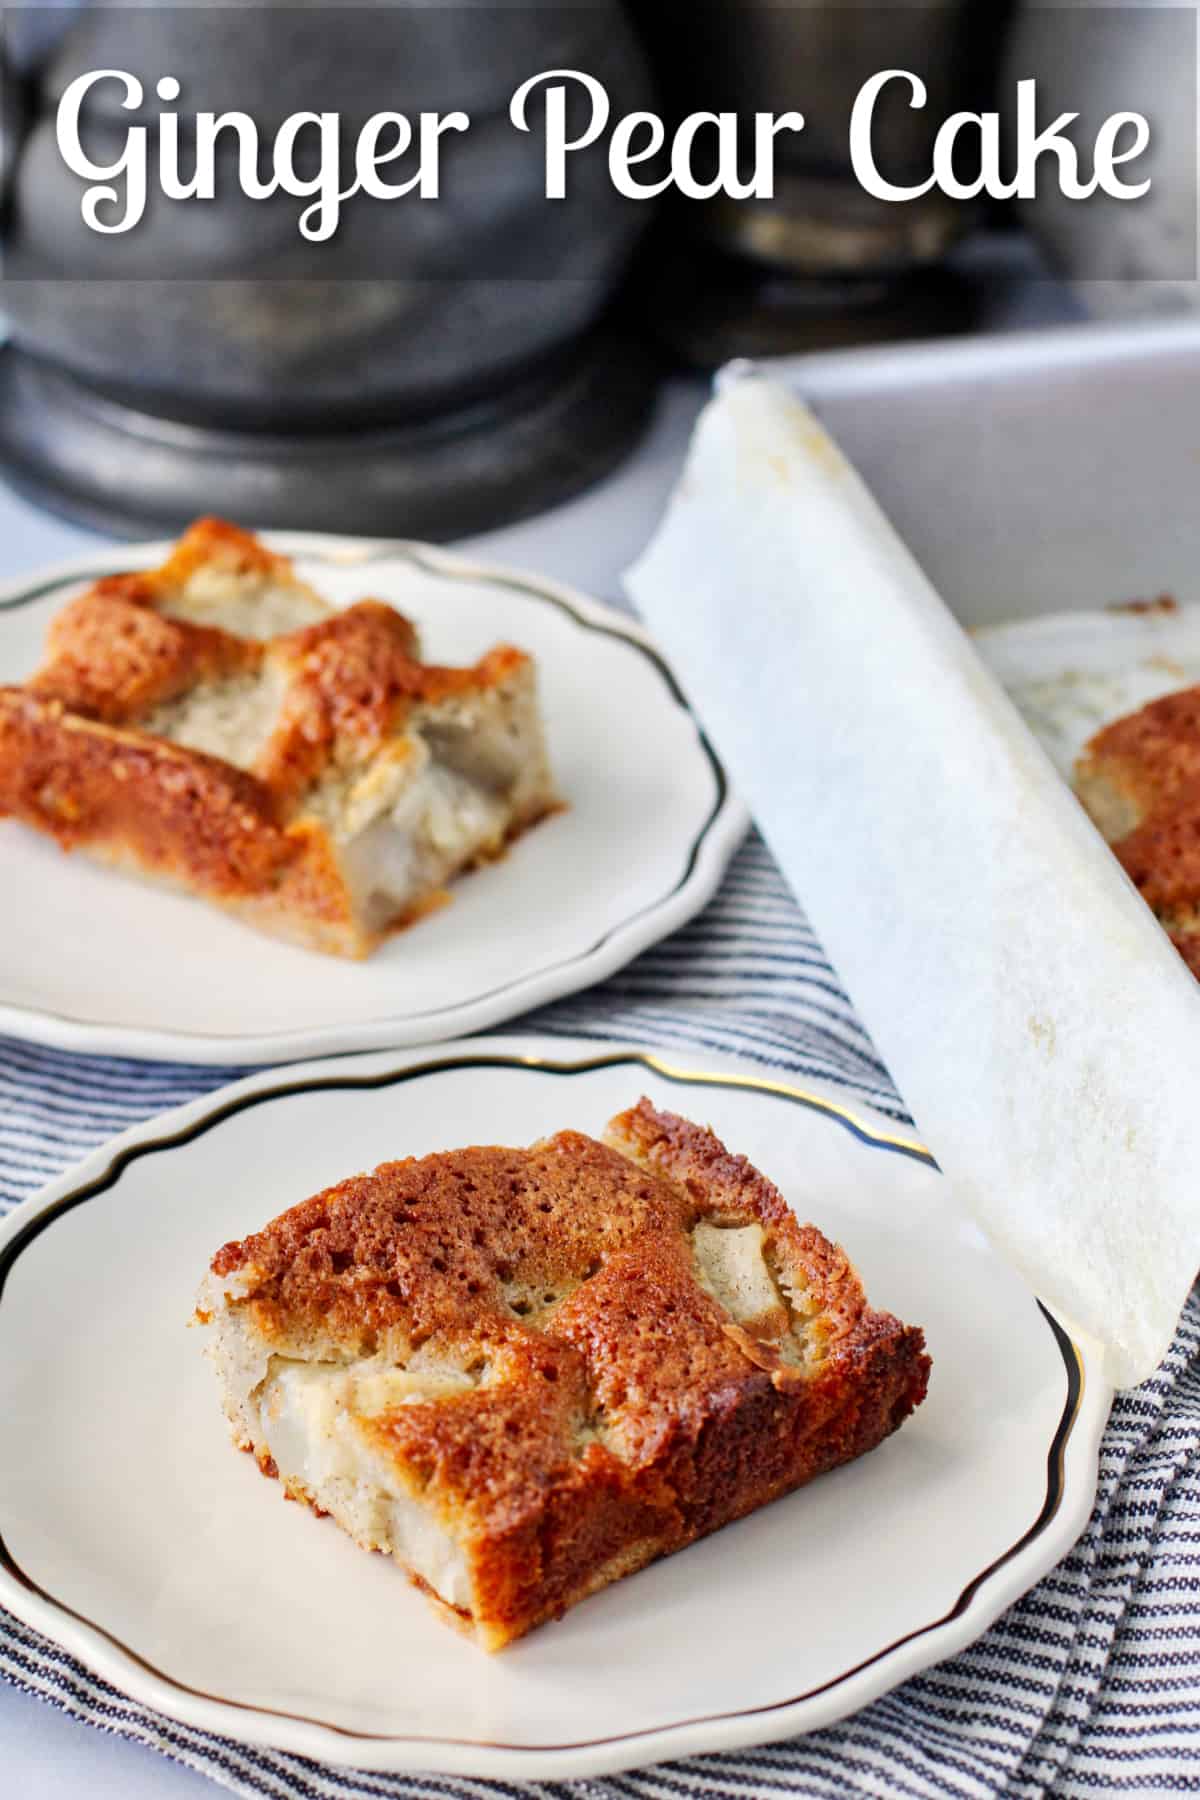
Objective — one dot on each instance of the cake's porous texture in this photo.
(528, 1372)
(1139, 779)
(214, 725)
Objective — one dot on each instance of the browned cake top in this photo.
(564, 1281)
(111, 655)
(114, 654)
(118, 652)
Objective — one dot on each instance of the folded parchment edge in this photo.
(770, 524)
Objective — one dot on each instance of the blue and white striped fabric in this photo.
(1089, 1686)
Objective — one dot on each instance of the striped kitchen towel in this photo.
(1090, 1685)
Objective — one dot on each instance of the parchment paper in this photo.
(1043, 1032)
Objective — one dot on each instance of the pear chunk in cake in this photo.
(524, 1373)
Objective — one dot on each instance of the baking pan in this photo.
(1035, 472)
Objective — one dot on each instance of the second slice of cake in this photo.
(526, 1373)
(214, 725)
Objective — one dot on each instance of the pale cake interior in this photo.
(310, 1418)
(251, 602)
(232, 718)
(734, 1265)
(311, 1423)
(442, 796)
(1113, 810)
(731, 1265)
(464, 774)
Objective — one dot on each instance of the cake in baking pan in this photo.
(1139, 779)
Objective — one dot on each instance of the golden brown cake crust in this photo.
(620, 1411)
(1139, 779)
(111, 655)
(80, 758)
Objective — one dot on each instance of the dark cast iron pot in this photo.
(437, 368)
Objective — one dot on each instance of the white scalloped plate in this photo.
(90, 960)
(132, 1534)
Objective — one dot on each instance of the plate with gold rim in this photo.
(132, 1535)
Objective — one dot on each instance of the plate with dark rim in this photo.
(91, 960)
(133, 1535)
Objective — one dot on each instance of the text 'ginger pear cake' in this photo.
(215, 725)
(525, 1373)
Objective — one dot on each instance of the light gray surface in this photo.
(47, 1755)
(586, 542)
